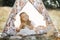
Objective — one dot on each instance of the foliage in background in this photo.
(52, 3)
(9, 3)
(47, 3)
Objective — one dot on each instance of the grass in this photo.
(4, 13)
(55, 16)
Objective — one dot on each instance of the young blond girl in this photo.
(26, 26)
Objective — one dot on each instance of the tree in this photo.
(8, 2)
(52, 3)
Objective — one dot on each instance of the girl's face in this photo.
(24, 17)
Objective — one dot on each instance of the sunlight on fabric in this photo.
(34, 16)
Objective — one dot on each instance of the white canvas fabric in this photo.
(18, 6)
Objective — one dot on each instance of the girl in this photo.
(26, 27)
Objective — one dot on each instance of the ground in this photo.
(4, 13)
(55, 16)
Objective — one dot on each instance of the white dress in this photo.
(27, 31)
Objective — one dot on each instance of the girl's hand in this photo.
(17, 29)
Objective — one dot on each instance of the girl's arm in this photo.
(19, 28)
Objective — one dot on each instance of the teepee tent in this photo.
(36, 7)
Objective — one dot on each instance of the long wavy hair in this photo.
(28, 22)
